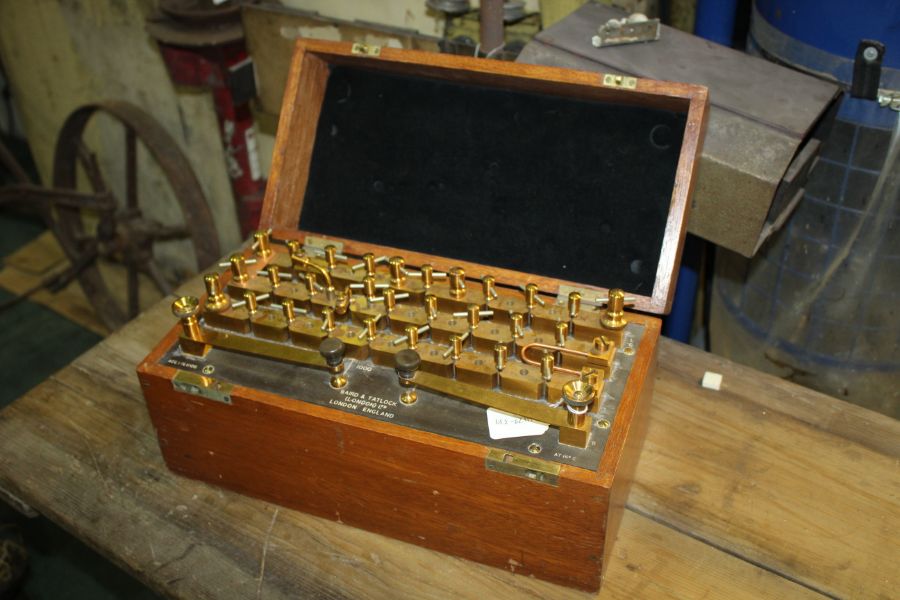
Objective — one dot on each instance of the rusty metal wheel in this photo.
(120, 231)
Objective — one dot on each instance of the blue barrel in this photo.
(819, 303)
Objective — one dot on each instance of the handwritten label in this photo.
(502, 425)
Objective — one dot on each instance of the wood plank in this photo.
(81, 449)
(757, 469)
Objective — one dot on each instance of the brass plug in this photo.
(395, 265)
(487, 286)
(216, 300)
(262, 243)
(330, 256)
(412, 336)
(287, 307)
(251, 303)
(427, 276)
(457, 282)
(238, 268)
(274, 276)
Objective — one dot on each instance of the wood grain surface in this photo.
(763, 489)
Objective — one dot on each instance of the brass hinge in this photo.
(366, 49)
(620, 81)
(202, 386)
(523, 466)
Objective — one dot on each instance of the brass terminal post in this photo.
(614, 316)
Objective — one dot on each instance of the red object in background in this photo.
(217, 67)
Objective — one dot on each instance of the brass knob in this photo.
(333, 350)
(390, 299)
(294, 247)
(371, 324)
(238, 268)
(328, 319)
(457, 282)
(407, 363)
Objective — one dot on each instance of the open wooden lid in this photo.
(532, 174)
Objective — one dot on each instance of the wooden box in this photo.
(535, 175)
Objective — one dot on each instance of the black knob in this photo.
(332, 350)
(407, 363)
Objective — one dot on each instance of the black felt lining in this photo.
(565, 188)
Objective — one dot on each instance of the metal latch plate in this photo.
(518, 465)
(204, 387)
(620, 81)
(366, 49)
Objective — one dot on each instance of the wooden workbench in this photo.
(763, 489)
